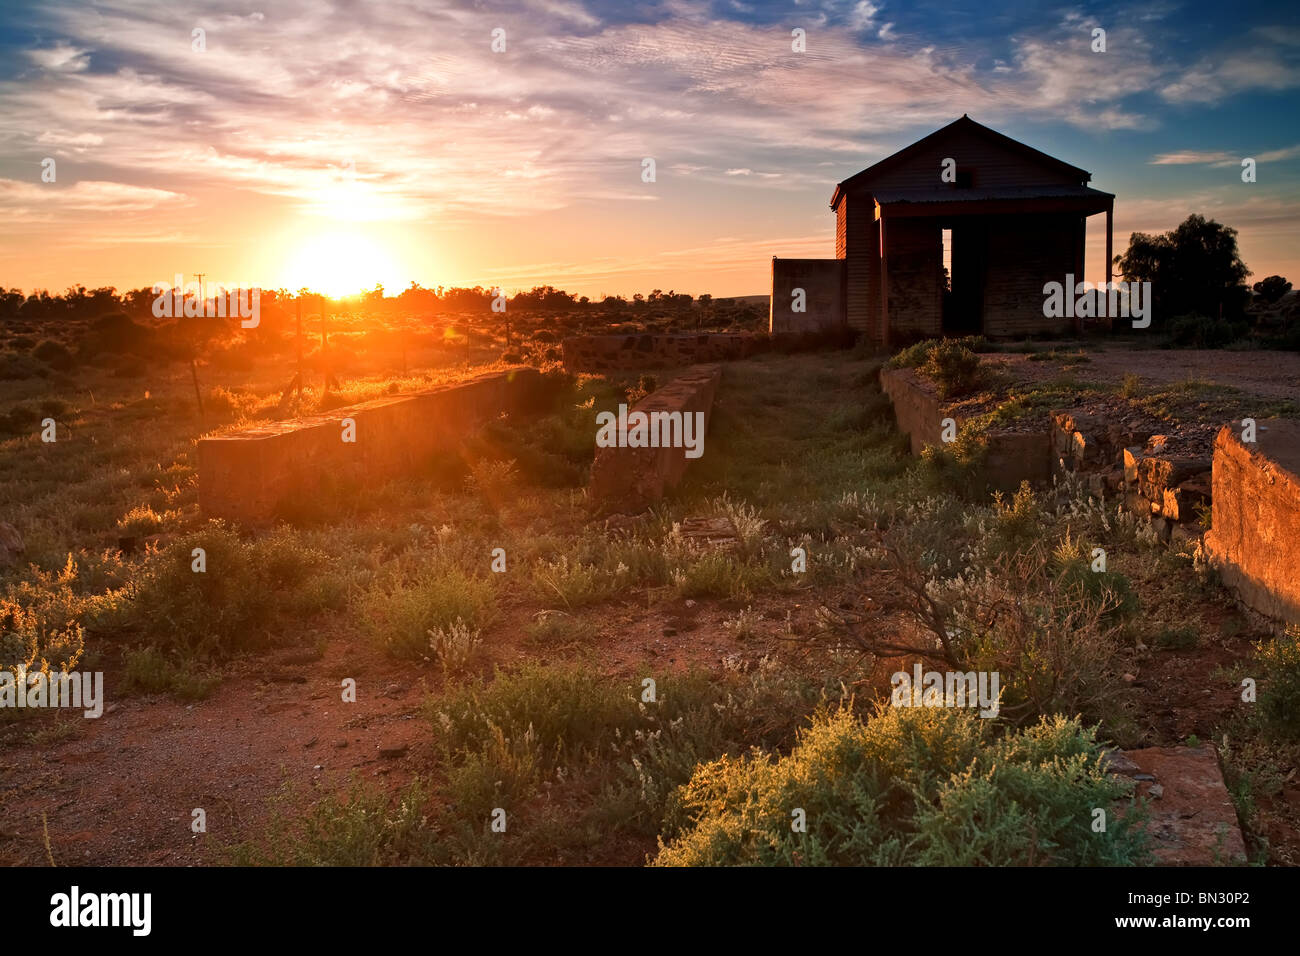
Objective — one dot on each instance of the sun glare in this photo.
(339, 264)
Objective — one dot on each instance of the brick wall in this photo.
(1024, 252)
(913, 259)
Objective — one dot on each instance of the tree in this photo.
(1272, 288)
(1192, 269)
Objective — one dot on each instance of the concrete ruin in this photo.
(254, 474)
(629, 480)
(1254, 537)
(1012, 456)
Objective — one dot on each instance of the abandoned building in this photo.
(954, 235)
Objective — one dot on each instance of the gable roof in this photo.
(963, 125)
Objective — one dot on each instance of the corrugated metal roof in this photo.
(950, 193)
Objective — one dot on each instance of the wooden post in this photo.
(198, 396)
(1110, 239)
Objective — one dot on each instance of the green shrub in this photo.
(363, 827)
(29, 644)
(1279, 694)
(243, 600)
(150, 671)
(402, 616)
(620, 758)
(923, 786)
(953, 367)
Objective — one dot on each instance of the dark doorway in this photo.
(965, 256)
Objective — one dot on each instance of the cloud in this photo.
(863, 15)
(437, 126)
(1210, 157)
(35, 201)
(1266, 66)
(1191, 158)
(60, 58)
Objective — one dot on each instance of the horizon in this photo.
(312, 148)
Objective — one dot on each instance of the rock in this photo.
(393, 752)
(1116, 762)
(1192, 820)
(1132, 461)
(11, 545)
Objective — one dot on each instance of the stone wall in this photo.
(629, 480)
(254, 474)
(822, 282)
(1255, 535)
(638, 352)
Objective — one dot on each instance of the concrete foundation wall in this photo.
(823, 285)
(254, 474)
(1012, 457)
(606, 353)
(1254, 537)
(629, 480)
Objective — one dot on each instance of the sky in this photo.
(339, 144)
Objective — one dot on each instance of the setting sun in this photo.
(340, 264)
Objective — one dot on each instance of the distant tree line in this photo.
(78, 302)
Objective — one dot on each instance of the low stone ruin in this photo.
(630, 479)
(254, 474)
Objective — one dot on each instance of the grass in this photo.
(539, 710)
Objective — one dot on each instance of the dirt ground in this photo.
(1266, 374)
(120, 790)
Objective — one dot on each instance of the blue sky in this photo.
(390, 142)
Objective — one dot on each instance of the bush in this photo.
(17, 365)
(53, 354)
(403, 617)
(919, 787)
(115, 334)
(31, 645)
(1201, 332)
(618, 759)
(244, 599)
(954, 368)
(1279, 696)
(916, 355)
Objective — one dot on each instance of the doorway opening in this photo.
(964, 263)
